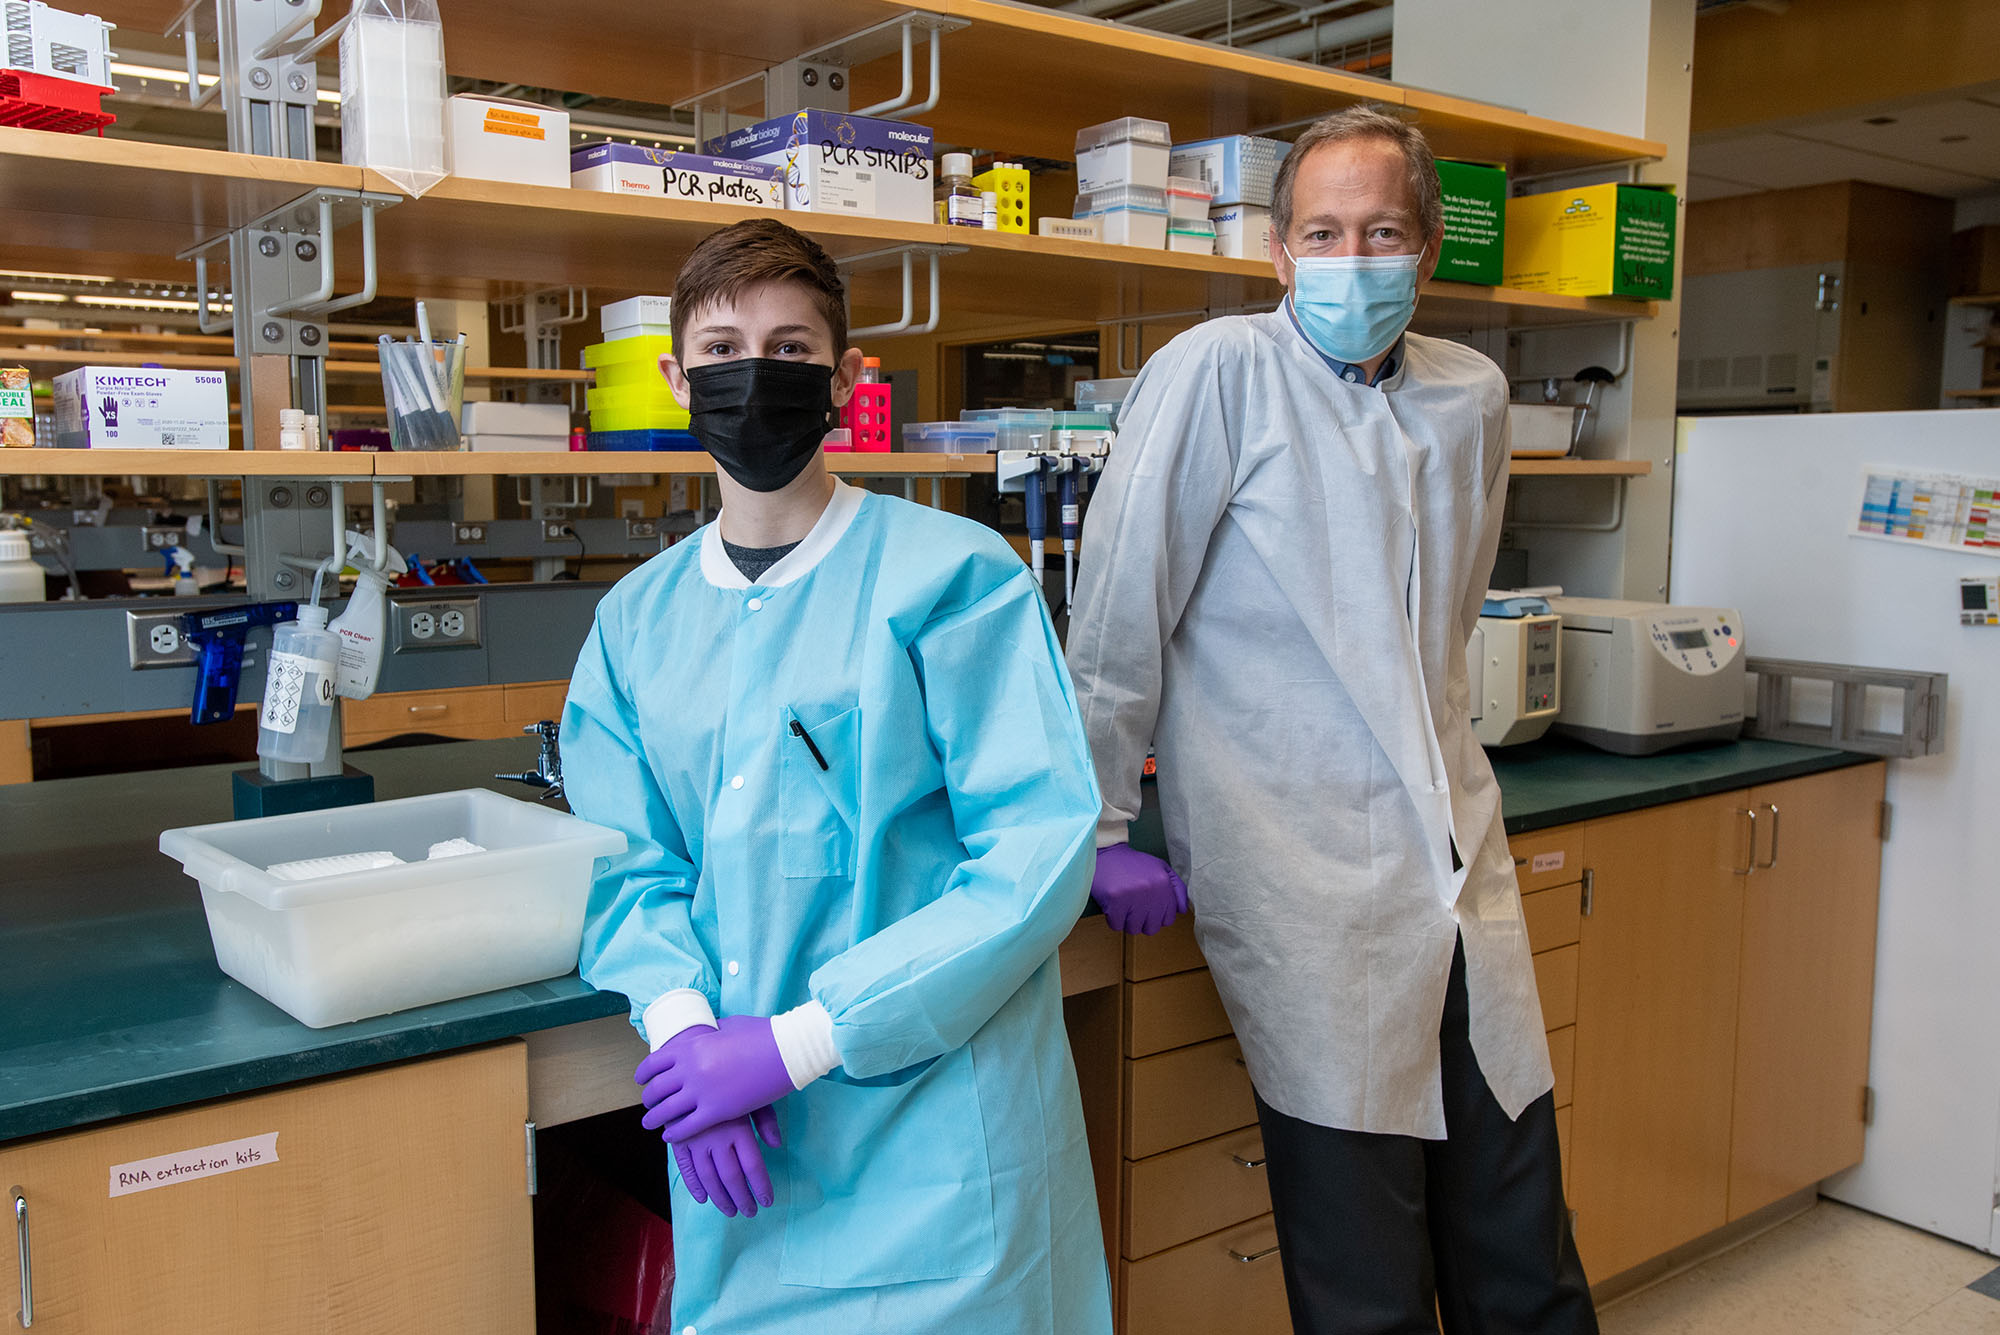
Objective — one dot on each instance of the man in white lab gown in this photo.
(1281, 567)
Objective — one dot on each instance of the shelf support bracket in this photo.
(907, 255)
(540, 317)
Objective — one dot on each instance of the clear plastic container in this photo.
(1082, 419)
(950, 437)
(1127, 215)
(1017, 428)
(344, 947)
(299, 688)
(1126, 129)
(1103, 395)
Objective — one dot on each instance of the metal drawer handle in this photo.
(428, 709)
(1520, 862)
(1246, 1259)
(1242, 1162)
(1751, 861)
(27, 1271)
(1771, 807)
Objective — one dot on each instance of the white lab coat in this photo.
(1279, 575)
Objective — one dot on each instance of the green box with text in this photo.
(1475, 222)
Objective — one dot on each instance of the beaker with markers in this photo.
(423, 386)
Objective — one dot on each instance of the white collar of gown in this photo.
(719, 570)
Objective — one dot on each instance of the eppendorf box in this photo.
(141, 408)
(1601, 241)
(837, 163)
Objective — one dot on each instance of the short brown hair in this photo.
(729, 262)
(1364, 122)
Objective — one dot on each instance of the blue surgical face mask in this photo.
(1353, 307)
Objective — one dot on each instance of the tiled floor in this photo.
(1831, 1271)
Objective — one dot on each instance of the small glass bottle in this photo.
(958, 204)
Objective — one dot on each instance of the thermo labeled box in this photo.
(141, 408)
(629, 169)
(836, 163)
(1475, 222)
(1601, 241)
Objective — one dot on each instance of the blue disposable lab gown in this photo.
(918, 888)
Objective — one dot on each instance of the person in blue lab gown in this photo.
(836, 730)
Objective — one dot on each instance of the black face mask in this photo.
(762, 419)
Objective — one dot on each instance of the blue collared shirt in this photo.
(1348, 371)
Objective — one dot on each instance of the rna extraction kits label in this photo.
(168, 1170)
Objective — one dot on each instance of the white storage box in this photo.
(498, 139)
(1241, 168)
(1242, 231)
(1191, 236)
(141, 408)
(1127, 215)
(1188, 198)
(637, 317)
(1128, 151)
(344, 947)
(517, 419)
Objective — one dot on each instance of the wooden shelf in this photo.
(219, 344)
(1973, 393)
(118, 207)
(367, 370)
(1982, 299)
(1581, 468)
(485, 240)
(1021, 80)
(418, 463)
(185, 463)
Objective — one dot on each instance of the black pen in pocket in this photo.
(799, 731)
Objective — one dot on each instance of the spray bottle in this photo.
(364, 624)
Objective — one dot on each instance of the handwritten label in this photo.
(1546, 862)
(168, 1170)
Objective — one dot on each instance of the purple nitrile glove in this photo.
(1139, 893)
(704, 1077)
(724, 1165)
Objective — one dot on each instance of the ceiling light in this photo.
(147, 303)
(54, 277)
(40, 296)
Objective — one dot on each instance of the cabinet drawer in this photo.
(471, 708)
(1186, 1193)
(1555, 979)
(1189, 1094)
(1548, 857)
(528, 704)
(1227, 1281)
(1172, 1012)
(1172, 951)
(1562, 1056)
(1554, 917)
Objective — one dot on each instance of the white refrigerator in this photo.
(1764, 510)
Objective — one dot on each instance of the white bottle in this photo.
(20, 577)
(291, 429)
(989, 204)
(312, 433)
(299, 689)
(361, 627)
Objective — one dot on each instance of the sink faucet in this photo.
(547, 773)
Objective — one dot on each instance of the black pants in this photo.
(1387, 1235)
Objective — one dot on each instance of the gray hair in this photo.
(1364, 122)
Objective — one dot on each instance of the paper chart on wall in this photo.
(1948, 511)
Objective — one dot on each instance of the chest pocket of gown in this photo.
(888, 1184)
(818, 806)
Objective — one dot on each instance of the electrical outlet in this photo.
(433, 623)
(557, 530)
(160, 537)
(639, 530)
(468, 535)
(154, 640)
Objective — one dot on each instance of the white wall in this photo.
(1583, 61)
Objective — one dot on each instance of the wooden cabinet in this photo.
(469, 713)
(1656, 1029)
(394, 1200)
(1808, 980)
(1725, 986)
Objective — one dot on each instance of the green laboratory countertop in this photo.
(110, 1000)
(1555, 782)
(111, 1003)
